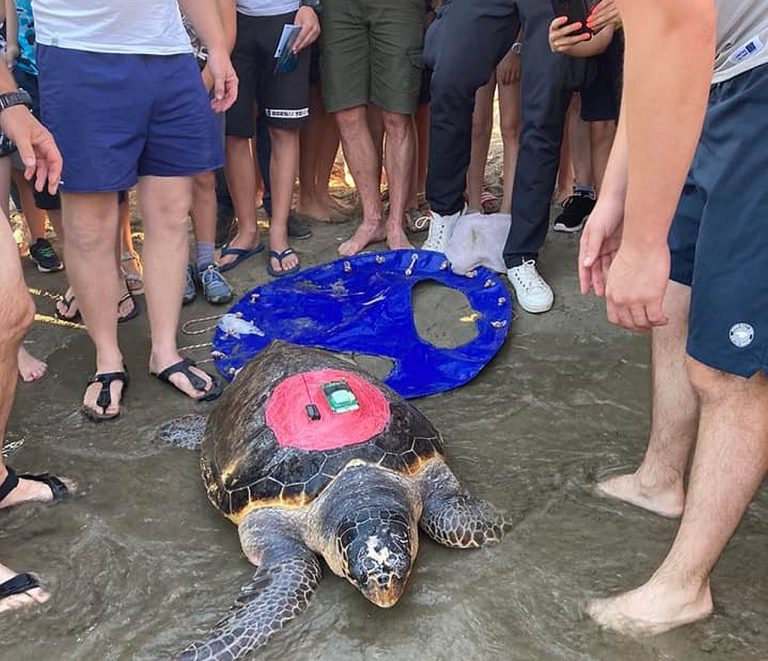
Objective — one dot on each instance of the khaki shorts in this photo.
(371, 53)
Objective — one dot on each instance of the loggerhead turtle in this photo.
(310, 457)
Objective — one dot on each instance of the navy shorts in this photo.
(719, 237)
(601, 96)
(120, 117)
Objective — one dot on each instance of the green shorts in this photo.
(371, 53)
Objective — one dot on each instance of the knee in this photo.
(284, 137)
(204, 183)
(510, 130)
(397, 126)
(711, 384)
(352, 121)
(19, 313)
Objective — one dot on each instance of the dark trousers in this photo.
(464, 45)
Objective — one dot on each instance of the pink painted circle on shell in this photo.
(287, 417)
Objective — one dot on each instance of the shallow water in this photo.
(140, 563)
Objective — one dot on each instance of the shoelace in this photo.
(45, 251)
(211, 276)
(421, 222)
(530, 278)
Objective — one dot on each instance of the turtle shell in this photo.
(265, 446)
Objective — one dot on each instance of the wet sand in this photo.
(140, 563)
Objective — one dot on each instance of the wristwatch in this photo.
(517, 47)
(317, 5)
(18, 98)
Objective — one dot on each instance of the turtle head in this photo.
(377, 549)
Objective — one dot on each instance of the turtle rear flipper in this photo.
(186, 432)
(453, 517)
(287, 576)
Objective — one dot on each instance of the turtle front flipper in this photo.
(287, 576)
(186, 432)
(453, 517)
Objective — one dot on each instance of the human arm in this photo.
(306, 17)
(227, 10)
(508, 70)
(601, 237)
(668, 68)
(208, 26)
(36, 146)
(11, 33)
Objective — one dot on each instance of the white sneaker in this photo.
(533, 293)
(440, 231)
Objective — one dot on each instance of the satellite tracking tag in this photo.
(340, 398)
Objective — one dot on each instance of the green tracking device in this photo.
(339, 397)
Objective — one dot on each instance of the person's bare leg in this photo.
(241, 180)
(581, 148)
(165, 204)
(601, 136)
(204, 207)
(130, 260)
(657, 485)
(283, 168)
(35, 217)
(730, 463)
(399, 155)
(482, 127)
(259, 187)
(17, 312)
(91, 225)
(422, 140)
(363, 161)
(511, 122)
(376, 126)
(319, 144)
(565, 175)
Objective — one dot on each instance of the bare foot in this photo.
(29, 598)
(30, 368)
(397, 240)
(322, 212)
(66, 307)
(181, 382)
(652, 609)
(667, 500)
(366, 234)
(32, 491)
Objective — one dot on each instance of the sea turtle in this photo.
(310, 457)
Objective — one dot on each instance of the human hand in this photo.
(207, 78)
(37, 148)
(224, 78)
(11, 55)
(636, 286)
(508, 70)
(603, 14)
(600, 241)
(562, 37)
(310, 28)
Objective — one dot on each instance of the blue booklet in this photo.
(286, 59)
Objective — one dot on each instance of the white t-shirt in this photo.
(267, 7)
(742, 37)
(141, 27)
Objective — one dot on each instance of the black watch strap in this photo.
(317, 5)
(17, 98)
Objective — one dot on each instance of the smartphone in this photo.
(576, 11)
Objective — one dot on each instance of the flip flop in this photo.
(19, 584)
(128, 296)
(68, 303)
(280, 256)
(240, 255)
(105, 396)
(183, 367)
(58, 488)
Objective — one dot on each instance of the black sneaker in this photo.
(297, 228)
(575, 211)
(41, 252)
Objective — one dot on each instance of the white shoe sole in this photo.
(536, 309)
(569, 230)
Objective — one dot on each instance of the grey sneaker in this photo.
(216, 289)
(190, 288)
(297, 228)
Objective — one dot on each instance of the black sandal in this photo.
(19, 584)
(59, 490)
(183, 367)
(128, 296)
(105, 396)
(68, 303)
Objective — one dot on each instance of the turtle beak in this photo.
(384, 591)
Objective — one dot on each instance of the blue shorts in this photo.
(719, 238)
(116, 117)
